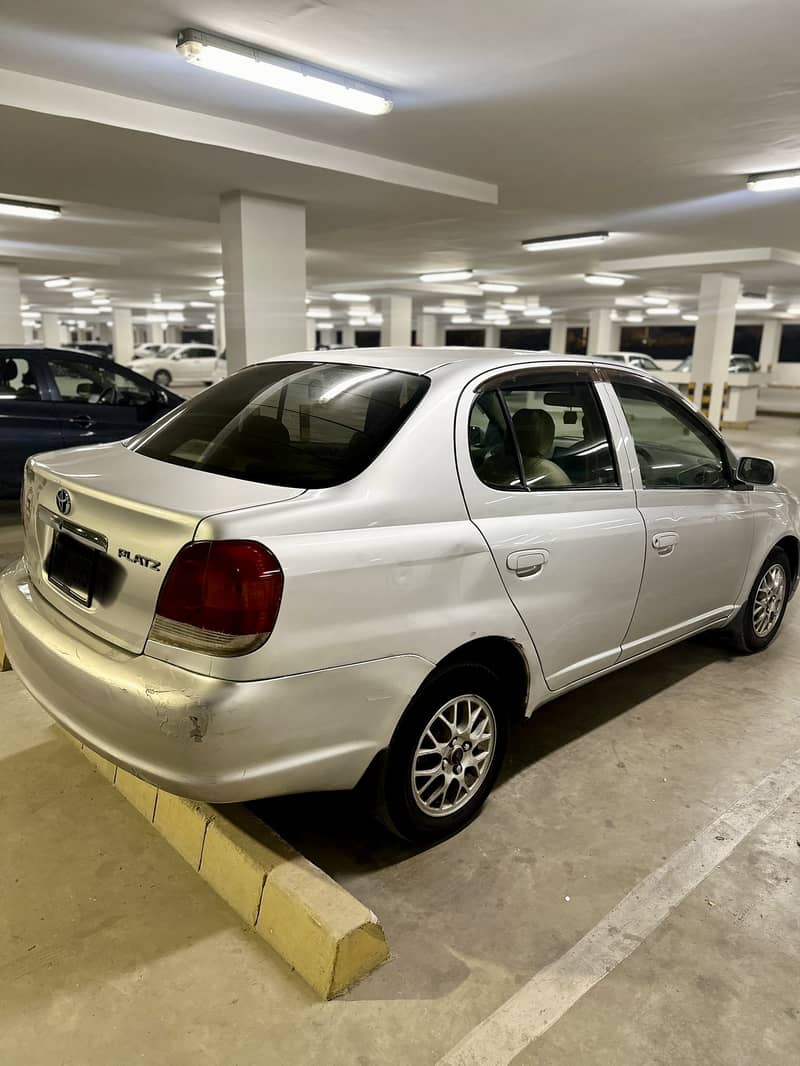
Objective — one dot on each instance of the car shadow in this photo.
(336, 831)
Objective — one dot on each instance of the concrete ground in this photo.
(113, 950)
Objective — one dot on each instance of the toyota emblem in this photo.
(63, 501)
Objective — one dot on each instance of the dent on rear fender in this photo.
(179, 713)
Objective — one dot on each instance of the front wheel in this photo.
(162, 377)
(445, 756)
(757, 623)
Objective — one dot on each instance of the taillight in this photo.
(220, 597)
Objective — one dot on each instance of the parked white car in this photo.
(636, 359)
(179, 364)
(220, 368)
(322, 573)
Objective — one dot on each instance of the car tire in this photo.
(162, 377)
(460, 714)
(758, 622)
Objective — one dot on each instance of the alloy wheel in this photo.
(453, 755)
(769, 600)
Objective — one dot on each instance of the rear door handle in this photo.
(665, 543)
(527, 563)
(82, 420)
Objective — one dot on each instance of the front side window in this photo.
(300, 424)
(89, 381)
(674, 449)
(541, 437)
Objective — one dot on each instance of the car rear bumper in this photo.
(198, 736)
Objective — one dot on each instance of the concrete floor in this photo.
(112, 950)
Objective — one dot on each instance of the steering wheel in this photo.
(700, 474)
(108, 395)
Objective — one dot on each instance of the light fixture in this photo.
(176, 316)
(535, 312)
(240, 60)
(318, 312)
(358, 322)
(27, 209)
(774, 181)
(438, 309)
(690, 317)
(634, 316)
(670, 309)
(655, 301)
(568, 240)
(325, 326)
(219, 293)
(751, 302)
(85, 310)
(545, 321)
(374, 320)
(352, 297)
(793, 309)
(161, 305)
(24, 306)
(611, 281)
(220, 282)
(461, 320)
(497, 286)
(200, 303)
(83, 294)
(101, 301)
(510, 305)
(58, 283)
(447, 275)
(160, 319)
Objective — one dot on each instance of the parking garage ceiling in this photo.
(508, 95)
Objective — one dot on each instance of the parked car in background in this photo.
(57, 398)
(93, 348)
(363, 568)
(737, 364)
(220, 368)
(179, 364)
(636, 359)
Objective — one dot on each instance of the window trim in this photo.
(520, 379)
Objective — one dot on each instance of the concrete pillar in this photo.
(396, 330)
(122, 334)
(311, 334)
(28, 332)
(770, 346)
(264, 263)
(348, 337)
(558, 336)
(713, 338)
(11, 331)
(491, 337)
(604, 333)
(154, 332)
(428, 335)
(220, 339)
(51, 330)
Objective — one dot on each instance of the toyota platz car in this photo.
(358, 567)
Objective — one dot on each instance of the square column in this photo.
(604, 332)
(51, 330)
(311, 334)
(220, 339)
(428, 331)
(264, 263)
(713, 338)
(491, 337)
(122, 334)
(558, 336)
(396, 330)
(11, 331)
(770, 346)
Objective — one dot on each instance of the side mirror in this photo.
(756, 471)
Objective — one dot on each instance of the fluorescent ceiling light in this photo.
(545, 321)
(101, 301)
(24, 306)
(534, 312)
(83, 294)
(634, 316)
(793, 309)
(176, 316)
(670, 309)
(497, 286)
(318, 312)
(358, 322)
(240, 60)
(374, 320)
(161, 305)
(611, 281)
(569, 240)
(216, 292)
(690, 317)
(85, 310)
(461, 320)
(27, 209)
(439, 309)
(754, 303)
(447, 275)
(775, 181)
(325, 325)
(656, 301)
(58, 283)
(509, 305)
(200, 303)
(220, 282)
(161, 319)
(352, 297)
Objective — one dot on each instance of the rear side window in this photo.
(305, 425)
(17, 379)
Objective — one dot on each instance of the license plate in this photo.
(71, 567)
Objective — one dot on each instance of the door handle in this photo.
(82, 420)
(527, 563)
(665, 543)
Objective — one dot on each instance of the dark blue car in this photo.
(55, 398)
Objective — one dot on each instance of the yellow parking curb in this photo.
(325, 934)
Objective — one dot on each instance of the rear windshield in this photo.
(301, 424)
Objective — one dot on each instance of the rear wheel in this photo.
(758, 622)
(445, 756)
(162, 377)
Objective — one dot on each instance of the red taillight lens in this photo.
(220, 597)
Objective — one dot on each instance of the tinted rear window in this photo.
(306, 425)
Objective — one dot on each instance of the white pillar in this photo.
(770, 346)
(491, 337)
(27, 332)
(11, 331)
(558, 336)
(428, 331)
(397, 321)
(51, 330)
(220, 339)
(348, 337)
(264, 263)
(311, 334)
(713, 338)
(122, 334)
(604, 333)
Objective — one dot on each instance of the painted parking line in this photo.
(544, 999)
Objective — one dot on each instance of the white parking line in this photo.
(544, 999)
